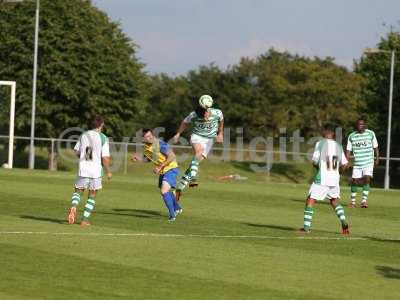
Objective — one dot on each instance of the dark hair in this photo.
(146, 130)
(97, 121)
(329, 127)
(362, 118)
(200, 111)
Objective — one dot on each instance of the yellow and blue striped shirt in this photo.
(157, 153)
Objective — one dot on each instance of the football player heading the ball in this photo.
(208, 125)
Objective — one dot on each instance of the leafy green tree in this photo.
(376, 69)
(261, 95)
(168, 103)
(86, 65)
(172, 99)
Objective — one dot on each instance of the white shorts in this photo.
(206, 143)
(361, 172)
(321, 192)
(92, 184)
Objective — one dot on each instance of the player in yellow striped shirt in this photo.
(165, 165)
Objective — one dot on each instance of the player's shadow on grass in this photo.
(279, 227)
(388, 272)
(326, 202)
(46, 219)
(290, 171)
(298, 200)
(138, 213)
(375, 239)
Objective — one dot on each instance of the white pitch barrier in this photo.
(12, 84)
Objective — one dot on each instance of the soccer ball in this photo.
(205, 101)
(5, 166)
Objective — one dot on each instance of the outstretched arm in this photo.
(181, 129)
(138, 157)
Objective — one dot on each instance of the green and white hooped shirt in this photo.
(205, 128)
(362, 145)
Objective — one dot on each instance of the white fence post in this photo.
(12, 117)
(52, 155)
(126, 158)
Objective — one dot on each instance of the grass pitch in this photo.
(234, 240)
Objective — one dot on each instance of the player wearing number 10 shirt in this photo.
(93, 152)
(327, 158)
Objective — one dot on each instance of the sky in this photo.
(176, 36)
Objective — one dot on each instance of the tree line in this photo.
(87, 65)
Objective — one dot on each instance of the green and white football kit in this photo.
(204, 131)
(362, 146)
(328, 156)
(91, 148)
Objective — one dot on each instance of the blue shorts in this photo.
(170, 177)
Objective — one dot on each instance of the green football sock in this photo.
(353, 193)
(339, 210)
(76, 197)
(308, 215)
(190, 174)
(365, 192)
(89, 207)
(194, 168)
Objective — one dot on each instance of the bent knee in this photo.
(164, 190)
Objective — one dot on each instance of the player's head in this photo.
(148, 136)
(204, 105)
(328, 131)
(361, 124)
(97, 122)
(201, 112)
